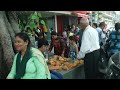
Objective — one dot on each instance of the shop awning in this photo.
(81, 13)
(60, 12)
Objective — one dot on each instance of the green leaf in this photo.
(37, 19)
(32, 25)
(39, 14)
(27, 27)
(29, 21)
(42, 21)
(33, 17)
(35, 13)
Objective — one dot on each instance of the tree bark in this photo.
(6, 44)
(1, 57)
(9, 28)
(13, 21)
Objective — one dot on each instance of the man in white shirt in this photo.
(89, 49)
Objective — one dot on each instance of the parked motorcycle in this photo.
(113, 69)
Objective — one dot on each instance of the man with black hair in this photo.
(59, 44)
(42, 46)
(94, 25)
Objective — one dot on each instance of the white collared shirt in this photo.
(90, 42)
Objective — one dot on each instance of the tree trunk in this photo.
(9, 28)
(6, 44)
(1, 57)
(12, 16)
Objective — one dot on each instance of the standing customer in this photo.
(89, 49)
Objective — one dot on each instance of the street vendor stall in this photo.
(74, 73)
(70, 69)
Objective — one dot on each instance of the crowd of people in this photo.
(83, 42)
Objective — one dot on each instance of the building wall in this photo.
(107, 17)
(60, 24)
(62, 19)
(65, 20)
(73, 20)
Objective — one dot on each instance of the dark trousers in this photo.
(91, 65)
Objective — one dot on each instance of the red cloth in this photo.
(41, 28)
